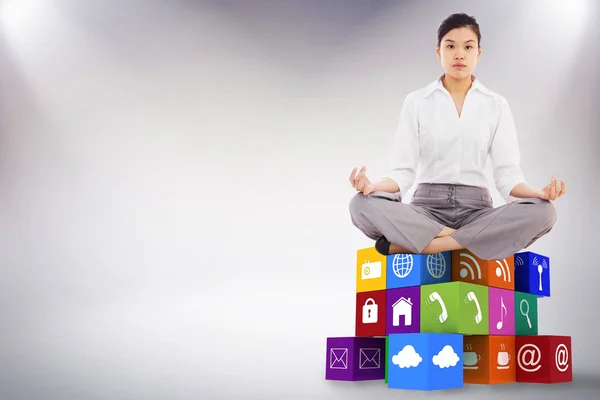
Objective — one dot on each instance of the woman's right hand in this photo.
(360, 182)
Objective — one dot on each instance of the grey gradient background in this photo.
(174, 185)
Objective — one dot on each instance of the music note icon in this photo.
(500, 323)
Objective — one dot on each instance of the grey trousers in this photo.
(491, 233)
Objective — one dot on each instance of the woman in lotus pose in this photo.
(448, 129)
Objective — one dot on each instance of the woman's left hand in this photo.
(553, 190)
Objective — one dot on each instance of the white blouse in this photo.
(442, 147)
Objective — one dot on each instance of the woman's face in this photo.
(459, 52)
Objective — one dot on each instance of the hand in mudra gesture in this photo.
(360, 182)
(553, 190)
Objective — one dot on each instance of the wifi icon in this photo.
(503, 270)
(467, 267)
(532, 273)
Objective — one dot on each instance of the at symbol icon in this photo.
(562, 358)
(529, 357)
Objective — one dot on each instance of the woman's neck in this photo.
(459, 86)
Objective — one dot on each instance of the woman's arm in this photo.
(552, 191)
(505, 157)
(405, 152)
(524, 190)
(386, 185)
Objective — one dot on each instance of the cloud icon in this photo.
(446, 357)
(407, 357)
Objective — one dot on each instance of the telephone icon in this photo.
(435, 296)
(472, 298)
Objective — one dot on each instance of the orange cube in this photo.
(466, 267)
(489, 360)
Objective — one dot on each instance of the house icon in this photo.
(402, 307)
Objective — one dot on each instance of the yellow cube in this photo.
(370, 270)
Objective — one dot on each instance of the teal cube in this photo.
(526, 314)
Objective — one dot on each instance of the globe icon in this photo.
(402, 265)
(436, 265)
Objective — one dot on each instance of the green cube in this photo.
(386, 365)
(526, 314)
(455, 307)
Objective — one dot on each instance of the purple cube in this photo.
(403, 310)
(355, 358)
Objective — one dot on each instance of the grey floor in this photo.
(584, 386)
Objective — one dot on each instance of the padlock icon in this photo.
(369, 315)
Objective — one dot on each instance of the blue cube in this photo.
(406, 270)
(532, 274)
(425, 361)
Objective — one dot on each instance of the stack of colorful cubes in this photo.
(440, 321)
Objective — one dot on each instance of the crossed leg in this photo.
(491, 234)
(406, 228)
(500, 232)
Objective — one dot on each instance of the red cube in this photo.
(544, 359)
(370, 313)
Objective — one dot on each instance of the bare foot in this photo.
(396, 249)
(439, 245)
(445, 232)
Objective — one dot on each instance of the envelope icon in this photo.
(338, 358)
(369, 358)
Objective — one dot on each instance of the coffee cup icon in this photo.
(470, 359)
(503, 359)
